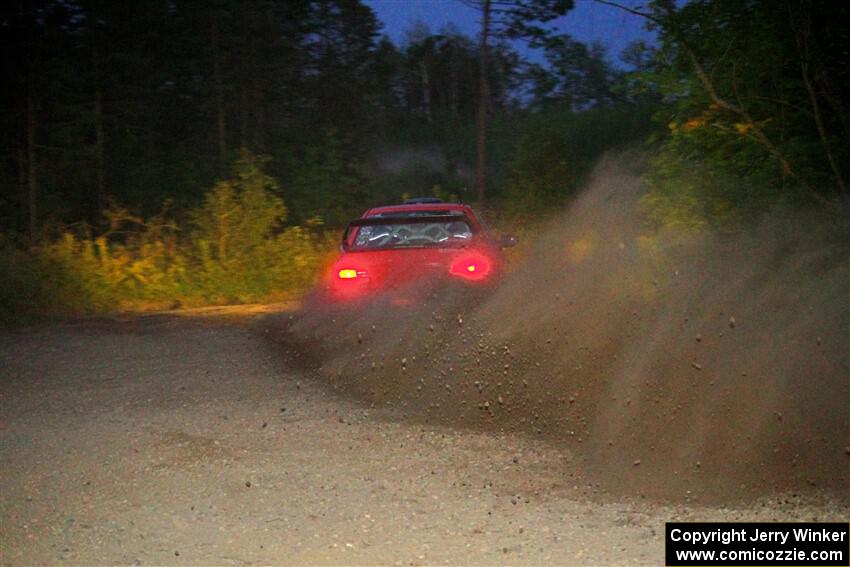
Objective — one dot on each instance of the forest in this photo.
(174, 153)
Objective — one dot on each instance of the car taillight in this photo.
(472, 267)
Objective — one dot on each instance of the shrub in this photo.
(237, 250)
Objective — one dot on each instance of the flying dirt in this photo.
(699, 366)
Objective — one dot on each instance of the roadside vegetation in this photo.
(165, 155)
(233, 248)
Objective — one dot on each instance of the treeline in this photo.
(137, 102)
(123, 118)
(140, 101)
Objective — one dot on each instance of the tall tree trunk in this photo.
(802, 35)
(32, 169)
(243, 117)
(453, 86)
(221, 122)
(258, 100)
(426, 90)
(23, 175)
(100, 165)
(483, 99)
(833, 164)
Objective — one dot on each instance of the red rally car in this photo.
(423, 240)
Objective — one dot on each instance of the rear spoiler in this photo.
(410, 219)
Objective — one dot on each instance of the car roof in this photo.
(413, 207)
(424, 208)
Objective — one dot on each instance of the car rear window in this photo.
(452, 232)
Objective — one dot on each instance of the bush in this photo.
(238, 250)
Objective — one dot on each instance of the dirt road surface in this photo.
(172, 441)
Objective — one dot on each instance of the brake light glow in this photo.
(474, 267)
(347, 274)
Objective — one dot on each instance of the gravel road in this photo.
(168, 440)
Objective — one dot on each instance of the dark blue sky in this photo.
(588, 21)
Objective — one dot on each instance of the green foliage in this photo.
(687, 194)
(558, 147)
(690, 189)
(239, 214)
(237, 251)
(545, 168)
(524, 19)
(578, 75)
(239, 246)
(744, 85)
(327, 181)
(25, 284)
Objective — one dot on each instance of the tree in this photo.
(577, 74)
(755, 93)
(507, 19)
(434, 66)
(421, 54)
(338, 50)
(239, 214)
(326, 181)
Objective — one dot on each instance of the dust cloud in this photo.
(705, 366)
